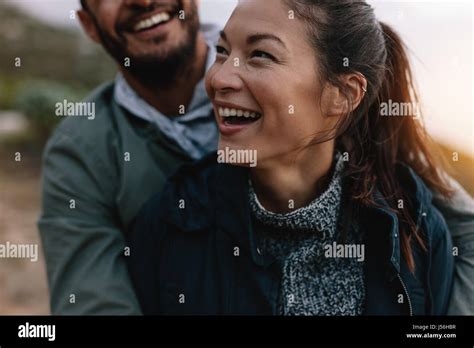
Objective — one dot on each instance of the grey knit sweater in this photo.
(312, 282)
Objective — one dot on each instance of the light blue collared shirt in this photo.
(196, 131)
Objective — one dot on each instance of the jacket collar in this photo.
(421, 200)
(189, 196)
(232, 204)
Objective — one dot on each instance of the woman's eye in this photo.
(221, 50)
(262, 54)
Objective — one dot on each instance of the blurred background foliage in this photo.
(37, 99)
(57, 63)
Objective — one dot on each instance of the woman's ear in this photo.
(336, 103)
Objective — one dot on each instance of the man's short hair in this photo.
(84, 4)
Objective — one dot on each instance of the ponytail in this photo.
(398, 138)
(416, 148)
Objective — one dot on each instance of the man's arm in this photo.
(459, 215)
(83, 244)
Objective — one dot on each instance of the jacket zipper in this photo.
(406, 293)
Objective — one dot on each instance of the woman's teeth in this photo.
(226, 112)
(152, 21)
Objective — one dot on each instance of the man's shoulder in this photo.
(102, 93)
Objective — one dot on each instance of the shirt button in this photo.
(259, 252)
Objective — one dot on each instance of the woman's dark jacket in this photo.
(193, 250)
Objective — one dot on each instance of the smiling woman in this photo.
(300, 83)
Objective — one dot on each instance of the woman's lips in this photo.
(228, 128)
(233, 118)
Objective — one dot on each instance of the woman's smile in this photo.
(232, 118)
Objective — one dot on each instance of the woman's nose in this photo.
(227, 78)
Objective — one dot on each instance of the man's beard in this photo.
(157, 70)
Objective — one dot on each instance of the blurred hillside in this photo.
(56, 63)
(46, 53)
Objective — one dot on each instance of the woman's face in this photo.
(264, 84)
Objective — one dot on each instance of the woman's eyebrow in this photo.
(254, 38)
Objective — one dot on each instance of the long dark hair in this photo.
(348, 38)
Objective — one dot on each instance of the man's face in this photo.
(153, 34)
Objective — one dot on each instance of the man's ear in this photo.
(336, 103)
(88, 24)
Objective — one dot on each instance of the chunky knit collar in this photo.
(319, 215)
(311, 282)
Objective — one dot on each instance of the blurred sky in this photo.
(439, 34)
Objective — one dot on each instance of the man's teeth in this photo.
(152, 21)
(226, 112)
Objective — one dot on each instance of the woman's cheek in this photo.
(208, 82)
